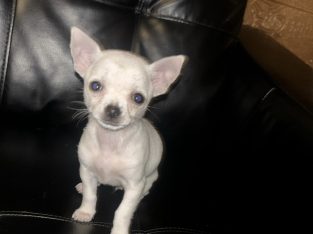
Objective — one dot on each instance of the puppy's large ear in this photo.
(164, 72)
(84, 50)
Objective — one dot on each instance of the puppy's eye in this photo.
(138, 98)
(95, 86)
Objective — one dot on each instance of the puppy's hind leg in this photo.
(149, 182)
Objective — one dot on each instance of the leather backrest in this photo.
(40, 75)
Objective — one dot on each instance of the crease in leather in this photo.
(8, 26)
(118, 4)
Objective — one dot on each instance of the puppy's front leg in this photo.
(87, 209)
(125, 211)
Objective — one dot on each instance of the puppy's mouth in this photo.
(111, 125)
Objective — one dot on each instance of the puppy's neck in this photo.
(114, 138)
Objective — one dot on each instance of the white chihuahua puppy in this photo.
(118, 146)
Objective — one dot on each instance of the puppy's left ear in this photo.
(164, 72)
(85, 51)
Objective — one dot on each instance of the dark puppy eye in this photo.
(95, 86)
(138, 98)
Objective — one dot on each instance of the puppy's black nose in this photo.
(112, 111)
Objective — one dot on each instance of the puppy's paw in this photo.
(79, 188)
(82, 216)
(119, 231)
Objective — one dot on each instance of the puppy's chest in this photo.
(109, 169)
(112, 161)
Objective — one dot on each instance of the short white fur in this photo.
(118, 146)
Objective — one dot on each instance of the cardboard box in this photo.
(289, 22)
(279, 36)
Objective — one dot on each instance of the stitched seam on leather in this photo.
(139, 10)
(139, 7)
(135, 33)
(5, 59)
(256, 108)
(137, 22)
(147, 12)
(48, 217)
(268, 94)
(98, 224)
(188, 22)
(174, 230)
(110, 3)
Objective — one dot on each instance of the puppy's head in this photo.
(119, 85)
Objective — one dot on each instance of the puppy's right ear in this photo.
(84, 50)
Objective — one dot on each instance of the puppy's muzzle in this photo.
(112, 112)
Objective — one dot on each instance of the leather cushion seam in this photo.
(5, 59)
(98, 224)
(139, 9)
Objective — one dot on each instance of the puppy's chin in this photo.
(112, 127)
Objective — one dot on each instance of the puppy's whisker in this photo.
(77, 106)
(152, 113)
(76, 109)
(80, 89)
(81, 119)
(78, 102)
(80, 113)
(154, 107)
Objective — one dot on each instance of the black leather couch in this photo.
(235, 143)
